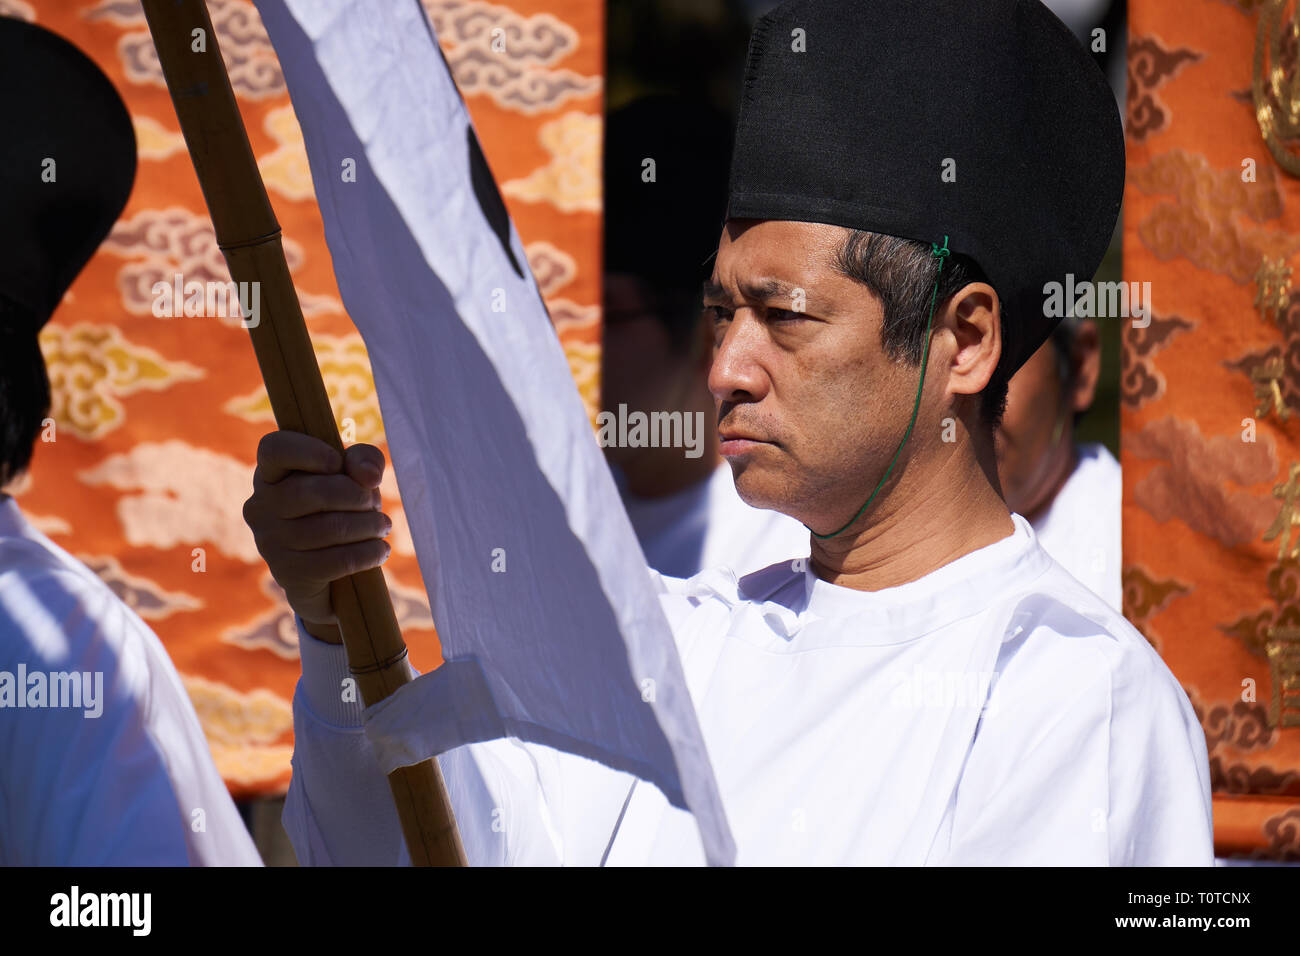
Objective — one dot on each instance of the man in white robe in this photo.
(1070, 492)
(930, 687)
(102, 758)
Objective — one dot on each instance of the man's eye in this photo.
(783, 315)
(717, 313)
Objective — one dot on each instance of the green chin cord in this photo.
(941, 254)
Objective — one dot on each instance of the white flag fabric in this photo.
(494, 455)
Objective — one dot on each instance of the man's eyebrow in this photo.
(757, 291)
(713, 290)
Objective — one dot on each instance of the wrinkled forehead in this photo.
(778, 246)
(778, 260)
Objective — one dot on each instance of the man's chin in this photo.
(757, 488)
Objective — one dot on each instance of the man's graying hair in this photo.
(902, 273)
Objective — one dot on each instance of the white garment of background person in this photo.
(708, 525)
(1081, 527)
(122, 788)
(994, 711)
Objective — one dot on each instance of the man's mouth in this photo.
(732, 443)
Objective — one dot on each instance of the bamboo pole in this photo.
(249, 237)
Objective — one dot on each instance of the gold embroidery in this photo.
(1287, 518)
(1266, 380)
(1276, 88)
(1273, 282)
(1283, 650)
(93, 367)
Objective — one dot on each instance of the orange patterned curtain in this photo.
(1211, 391)
(156, 418)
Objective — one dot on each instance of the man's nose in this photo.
(736, 372)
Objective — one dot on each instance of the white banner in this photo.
(549, 624)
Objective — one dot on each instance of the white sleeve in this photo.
(1161, 810)
(338, 810)
(509, 797)
(1102, 762)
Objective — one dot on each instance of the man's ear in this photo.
(973, 318)
(1085, 360)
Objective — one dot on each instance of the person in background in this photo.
(1069, 492)
(666, 161)
(102, 758)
